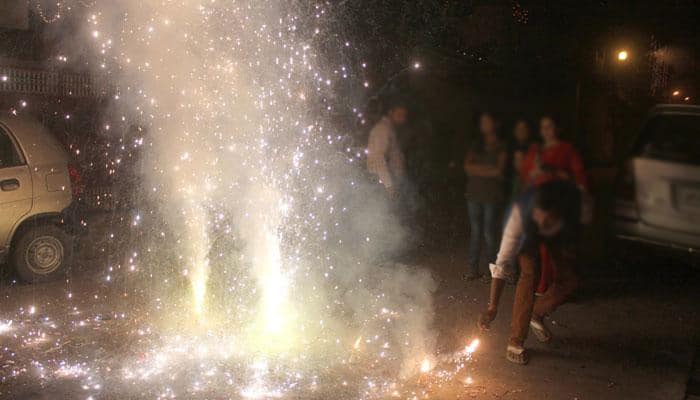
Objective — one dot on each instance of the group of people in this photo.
(540, 185)
(546, 185)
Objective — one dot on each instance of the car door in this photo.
(667, 173)
(15, 187)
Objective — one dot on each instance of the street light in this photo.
(676, 93)
(622, 55)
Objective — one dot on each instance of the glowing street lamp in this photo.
(676, 93)
(622, 55)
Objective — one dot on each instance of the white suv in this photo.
(36, 196)
(658, 191)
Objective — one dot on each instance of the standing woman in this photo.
(554, 159)
(522, 140)
(485, 165)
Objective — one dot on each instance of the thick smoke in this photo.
(264, 210)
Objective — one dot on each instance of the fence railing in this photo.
(50, 82)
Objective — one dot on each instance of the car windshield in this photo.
(673, 138)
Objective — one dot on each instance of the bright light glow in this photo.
(676, 93)
(622, 55)
(356, 345)
(274, 286)
(472, 346)
(198, 246)
(5, 326)
(426, 366)
(199, 288)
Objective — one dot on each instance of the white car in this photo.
(658, 191)
(36, 196)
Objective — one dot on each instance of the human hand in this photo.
(518, 158)
(536, 172)
(486, 318)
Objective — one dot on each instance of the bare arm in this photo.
(489, 315)
(495, 171)
(518, 160)
(579, 170)
(502, 267)
(491, 171)
(469, 163)
(473, 168)
(496, 291)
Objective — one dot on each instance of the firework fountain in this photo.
(265, 248)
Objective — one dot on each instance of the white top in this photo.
(504, 265)
(384, 156)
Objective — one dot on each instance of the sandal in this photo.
(540, 330)
(517, 355)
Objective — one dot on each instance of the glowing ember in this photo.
(425, 366)
(472, 346)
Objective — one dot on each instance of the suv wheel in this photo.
(43, 253)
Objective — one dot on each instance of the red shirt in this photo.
(561, 157)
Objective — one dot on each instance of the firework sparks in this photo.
(426, 366)
(254, 264)
(5, 326)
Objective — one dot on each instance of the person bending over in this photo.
(543, 226)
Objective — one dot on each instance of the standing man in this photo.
(384, 156)
(543, 227)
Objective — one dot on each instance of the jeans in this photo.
(484, 224)
(526, 305)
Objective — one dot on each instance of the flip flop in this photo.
(517, 355)
(541, 332)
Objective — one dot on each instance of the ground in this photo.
(631, 332)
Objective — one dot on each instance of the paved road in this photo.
(629, 334)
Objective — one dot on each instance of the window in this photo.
(9, 157)
(673, 138)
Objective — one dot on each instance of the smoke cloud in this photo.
(254, 197)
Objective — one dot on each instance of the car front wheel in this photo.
(43, 253)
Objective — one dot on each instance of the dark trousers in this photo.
(526, 304)
(483, 225)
